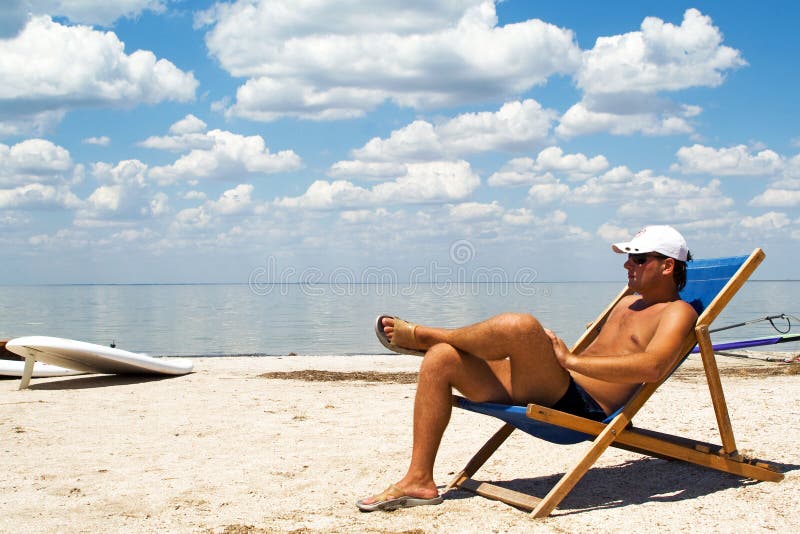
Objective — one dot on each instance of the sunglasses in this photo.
(641, 259)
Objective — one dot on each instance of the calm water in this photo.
(276, 320)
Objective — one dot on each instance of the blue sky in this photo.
(174, 141)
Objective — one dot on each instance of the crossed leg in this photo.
(505, 359)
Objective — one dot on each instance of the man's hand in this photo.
(559, 348)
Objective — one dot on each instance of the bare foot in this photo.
(395, 497)
(394, 491)
(401, 333)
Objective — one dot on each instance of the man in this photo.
(512, 359)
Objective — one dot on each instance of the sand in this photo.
(233, 448)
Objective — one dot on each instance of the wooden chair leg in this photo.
(568, 481)
(481, 456)
(715, 387)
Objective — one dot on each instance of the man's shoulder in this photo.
(682, 307)
(679, 313)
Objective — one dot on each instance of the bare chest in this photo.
(629, 330)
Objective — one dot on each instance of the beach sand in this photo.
(227, 449)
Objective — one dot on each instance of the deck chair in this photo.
(710, 286)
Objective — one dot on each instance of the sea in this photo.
(329, 319)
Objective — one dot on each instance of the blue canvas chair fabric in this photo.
(710, 286)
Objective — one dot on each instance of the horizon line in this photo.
(284, 283)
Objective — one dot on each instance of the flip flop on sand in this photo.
(393, 498)
(402, 330)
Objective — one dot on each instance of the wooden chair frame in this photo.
(620, 433)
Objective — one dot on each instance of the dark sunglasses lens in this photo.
(638, 259)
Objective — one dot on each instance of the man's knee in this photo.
(440, 358)
(519, 324)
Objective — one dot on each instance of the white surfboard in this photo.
(91, 358)
(14, 368)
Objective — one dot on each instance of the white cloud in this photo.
(234, 201)
(475, 211)
(523, 171)
(125, 196)
(102, 140)
(650, 198)
(772, 220)
(266, 99)
(416, 142)
(518, 171)
(554, 159)
(100, 12)
(14, 14)
(515, 126)
(315, 60)
(194, 195)
(65, 238)
(186, 134)
(777, 198)
(660, 57)
(623, 75)
(546, 226)
(230, 156)
(178, 143)
(682, 209)
(439, 181)
(359, 217)
(192, 219)
(620, 173)
(49, 68)
(557, 217)
(547, 193)
(326, 195)
(284, 21)
(105, 198)
(612, 234)
(158, 206)
(33, 160)
(733, 161)
(641, 186)
(580, 120)
(518, 217)
(642, 196)
(720, 221)
(38, 196)
(34, 123)
(126, 172)
(366, 170)
(188, 125)
(132, 235)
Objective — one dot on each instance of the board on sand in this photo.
(14, 368)
(91, 358)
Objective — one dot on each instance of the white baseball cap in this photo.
(663, 239)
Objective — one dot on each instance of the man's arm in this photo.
(649, 366)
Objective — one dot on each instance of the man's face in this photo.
(643, 268)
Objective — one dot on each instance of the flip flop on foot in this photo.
(403, 334)
(393, 498)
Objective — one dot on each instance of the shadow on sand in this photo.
(631, 483)
(98, 381)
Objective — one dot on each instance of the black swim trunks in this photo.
(577, 402)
